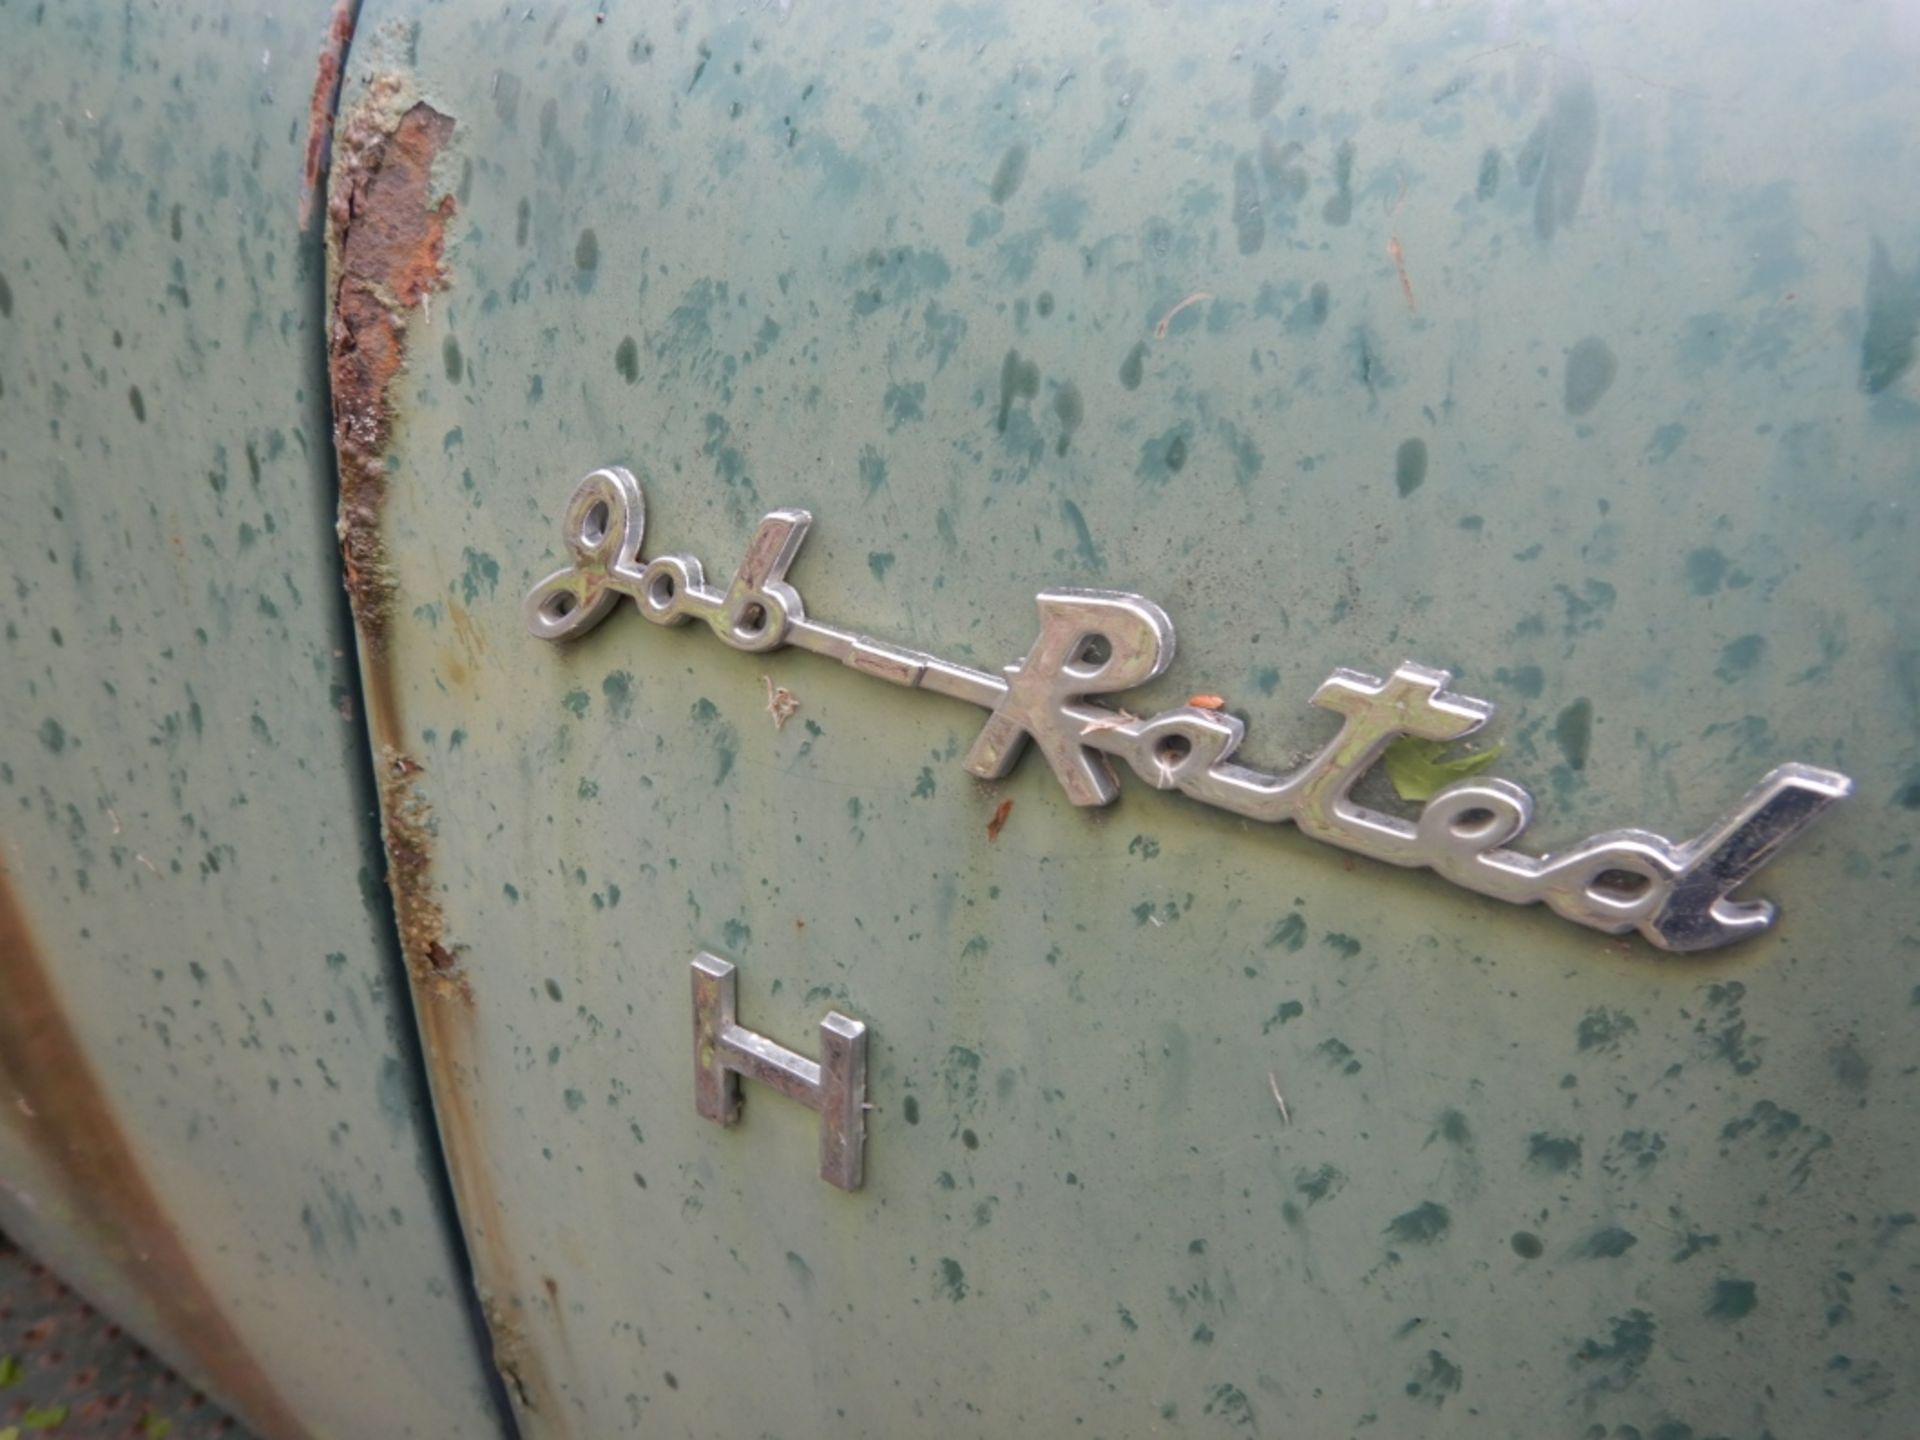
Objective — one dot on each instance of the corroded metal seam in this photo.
(55, 1102)
(386, 235)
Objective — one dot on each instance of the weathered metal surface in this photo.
(1566, 347)
(211, 1110)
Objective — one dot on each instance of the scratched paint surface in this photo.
(209, 1090)
(1568, 352)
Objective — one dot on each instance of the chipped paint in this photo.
(56, 1104)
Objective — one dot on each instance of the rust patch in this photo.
(407, 829)
(387, 236)
(469, 633)
(326, 95)
(457, 669)
(59, 1107)
(509, 1351)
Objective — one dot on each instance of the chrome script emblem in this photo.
(1099, 642)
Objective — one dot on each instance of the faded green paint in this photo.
(1529, 1181)
(182, 815)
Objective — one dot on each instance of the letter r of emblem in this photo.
(835, 1085)
(1092, 642)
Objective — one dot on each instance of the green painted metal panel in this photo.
(1566, 347)
(213, 1108)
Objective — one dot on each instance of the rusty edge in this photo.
(56, 1104)
(386, 238)
(328, 71)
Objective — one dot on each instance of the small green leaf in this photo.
(44, 1417)
(12, 1432)
(12, 1372)
(155, 1428)
(1419, 773)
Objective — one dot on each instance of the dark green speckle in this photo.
(1410, 466)
(1488, 183)
(1602, 1029)
(1290, 931)
(1706, 568)
(1319, 1184)
(1555, 1154)
(1071, 409)
(1339, 209)
(1732, 1300)
(1007, 178)
(618, 688)
(1893, 321)
(1608, 1244)
(1452, 1127)
(1527, 680)
(1590, 370)
(1019, 380)
(1422, 1225)
(482, 573)
(1738, 657)
(1164, 456)
(953, 1280)
(1573, 732)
